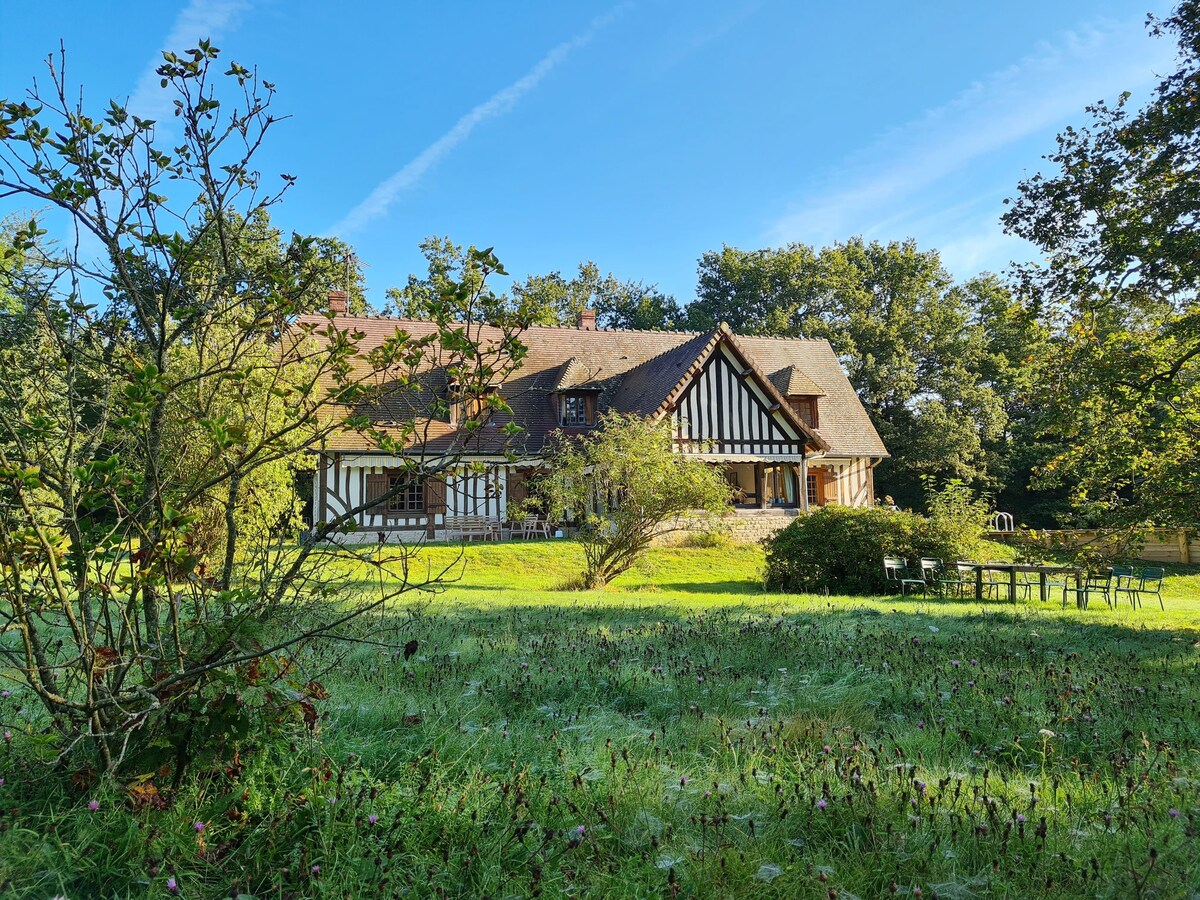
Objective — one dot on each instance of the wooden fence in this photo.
(1165, 545)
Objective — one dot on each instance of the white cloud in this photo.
(199, 19)
(384, 194)
(921, 179)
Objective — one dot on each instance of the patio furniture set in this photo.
(489, 528)
(1018, 581)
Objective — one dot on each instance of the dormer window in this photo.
(577, 409)
(469, 407)
(805, 407)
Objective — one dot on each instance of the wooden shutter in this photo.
(518, 487)
(435, 495)
(827, 487)
(589, 409)
(377, 486)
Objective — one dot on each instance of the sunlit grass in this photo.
(708, 738)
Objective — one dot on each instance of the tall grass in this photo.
(681, 734)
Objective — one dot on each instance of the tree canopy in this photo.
(1117, 223)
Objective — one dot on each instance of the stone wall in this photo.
(743, 527)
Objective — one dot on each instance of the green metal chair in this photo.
(1094, 583)
(896, 570)
(1150, 582)
(1124, 581)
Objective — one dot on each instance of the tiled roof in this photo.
(633, 371)
(792, 382)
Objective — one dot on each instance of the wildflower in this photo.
(1173, 813)
(199, 826)
(954, 663)
(828, 749)
(172, 885)
(1021, 818)
(821, 804)
(372, 819)
(1046, 732)
(682, 781)
(4, 695)
(580, 830)
(8, 737)
(316, 869)
(93, 805)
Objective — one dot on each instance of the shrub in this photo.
(841, 548)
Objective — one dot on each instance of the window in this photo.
(578, 410)
(806, 409)
(409, 496)
(814, 489)
(472, 407)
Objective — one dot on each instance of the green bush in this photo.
(840, 549)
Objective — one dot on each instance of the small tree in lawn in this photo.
(625, 485)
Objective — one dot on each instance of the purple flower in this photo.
(954, 663)
(199, 826)
(1173, 813)
(580, 830)
(8, 737)
(372, 818)
(821, 804)
(316, 869)
(4, 695)
(682, 781)
(1021, 818)
(93, 805)
(172, 885)
(828, 749)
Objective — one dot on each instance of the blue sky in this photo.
(636, 134)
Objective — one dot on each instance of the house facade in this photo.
(777, 415)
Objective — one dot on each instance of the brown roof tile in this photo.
(634, 371)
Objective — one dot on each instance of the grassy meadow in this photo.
(680, 734)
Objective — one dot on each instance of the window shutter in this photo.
(518, 487)
(828, 485)
(589, 409)
(377, 486)
(435, 495)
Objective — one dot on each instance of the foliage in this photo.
(618, 304)
(625, 484)
(710, 739)
(165, 385)
(913, 344)
(1116, 223)
(840, 549)
(956, 510)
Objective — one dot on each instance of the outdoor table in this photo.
(1013, 568)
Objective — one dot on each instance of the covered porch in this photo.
(762, 486)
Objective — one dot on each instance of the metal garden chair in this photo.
(896, 570)
(1094, 583)
(1150, 582)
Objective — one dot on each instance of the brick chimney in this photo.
(587, 319)
(337, 303)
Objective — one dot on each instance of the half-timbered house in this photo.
(777, 414)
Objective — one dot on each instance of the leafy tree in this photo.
(124, 424)
(625, 485)
(910, 341)
(618, 304)
(316, 264)
(1117, 225)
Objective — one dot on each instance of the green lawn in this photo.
(679, 734)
